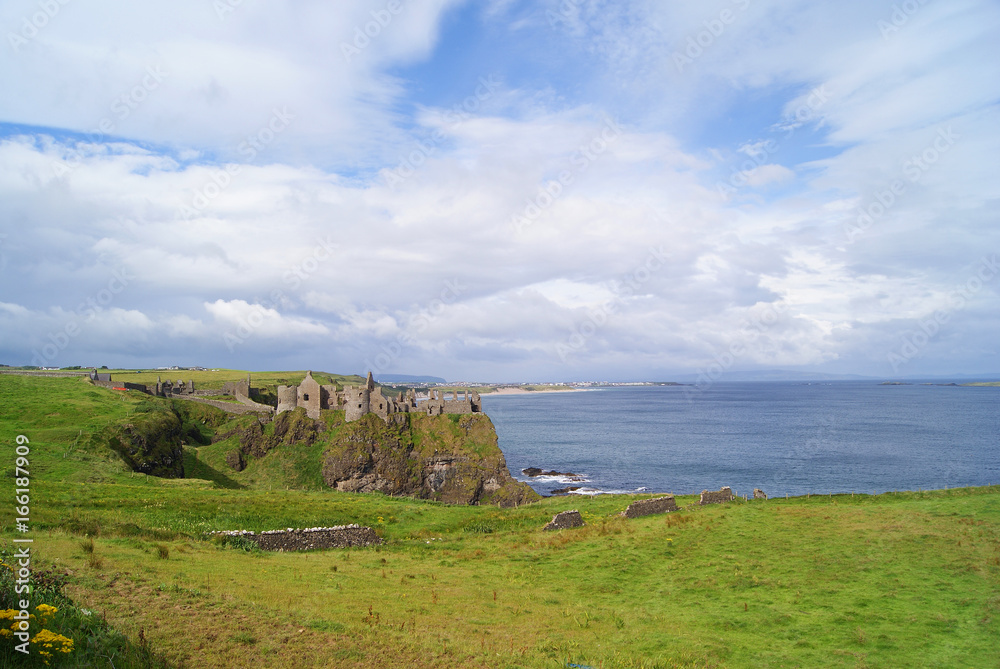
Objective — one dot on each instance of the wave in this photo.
(598, 491)
(542, 478)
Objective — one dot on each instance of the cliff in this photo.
(450, 458)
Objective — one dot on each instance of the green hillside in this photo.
(896, 580)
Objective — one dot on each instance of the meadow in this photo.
(909, 579)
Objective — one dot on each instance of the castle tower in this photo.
(357, 401)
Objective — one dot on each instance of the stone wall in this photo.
(759, 494)
(647, 507)
(314, 538)
(288, 398)
(120, 384)
(717, 496)
(564, 520)
(18, 372)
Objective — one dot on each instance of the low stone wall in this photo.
(565, 520)
(18, 372)
(314, 538)
(759, 494)
(717, 496)
(648, 507)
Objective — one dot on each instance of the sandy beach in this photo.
(515, 390)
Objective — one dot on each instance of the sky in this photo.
(502, 190)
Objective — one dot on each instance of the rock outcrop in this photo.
(149, 441)
(450, 458)
(255, 441)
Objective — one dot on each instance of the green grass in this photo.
(217, 378)
(896, 580)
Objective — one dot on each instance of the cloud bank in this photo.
(560, 190)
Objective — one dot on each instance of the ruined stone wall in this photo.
(310, 396)
(288, 398)
(121, 384)
(565, 520)
(329, 397)
(647, 507)
(314, 538)
(717, 496)
(380, 405)
(457, 406)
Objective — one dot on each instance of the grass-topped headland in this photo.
(895, 580)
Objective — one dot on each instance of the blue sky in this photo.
(501, 190)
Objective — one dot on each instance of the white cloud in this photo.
(480, 242)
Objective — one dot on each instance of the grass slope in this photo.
(897, 580)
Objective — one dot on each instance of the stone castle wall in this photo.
(288, 398)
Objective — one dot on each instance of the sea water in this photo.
(783, 437)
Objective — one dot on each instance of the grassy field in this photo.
(896, 580)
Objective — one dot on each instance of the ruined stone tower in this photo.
(357, 400)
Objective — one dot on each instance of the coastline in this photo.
(514, 390)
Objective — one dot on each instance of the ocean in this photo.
(788, 438)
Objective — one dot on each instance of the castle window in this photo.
(305, 397)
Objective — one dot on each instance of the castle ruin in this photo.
(355, 401)
(358, 401)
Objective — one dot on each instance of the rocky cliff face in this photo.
(149, 442)
(451, 458)
(292, 428)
